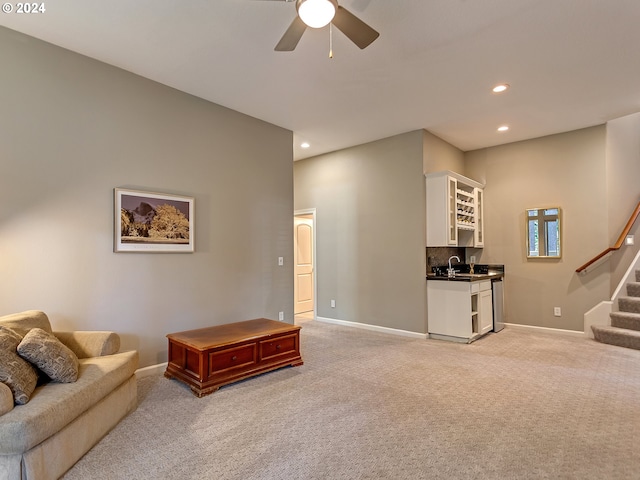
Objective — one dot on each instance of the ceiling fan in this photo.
(319, 13)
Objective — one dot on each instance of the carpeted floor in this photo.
(366, 405)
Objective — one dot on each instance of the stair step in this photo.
(633, 289)
(620, 337)
(629, 304)
(630, 321)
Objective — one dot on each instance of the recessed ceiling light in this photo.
(305, 145)
(500, 88)
(503, 128)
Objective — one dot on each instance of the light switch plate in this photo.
(280, 261)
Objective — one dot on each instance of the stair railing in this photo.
(616, 246)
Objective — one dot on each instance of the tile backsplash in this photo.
(438, 256)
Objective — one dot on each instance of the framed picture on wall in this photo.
(153, 222)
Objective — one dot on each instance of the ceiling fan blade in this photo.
(292, 36)
(358, 32)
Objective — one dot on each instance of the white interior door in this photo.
(303, 261)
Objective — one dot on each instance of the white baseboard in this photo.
(151, 370)
(375, 328)
(555, 331)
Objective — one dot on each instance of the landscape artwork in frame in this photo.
(153, 222)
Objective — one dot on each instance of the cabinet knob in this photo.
(277, 347)
(233, 359)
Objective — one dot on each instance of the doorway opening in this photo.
(304, 252)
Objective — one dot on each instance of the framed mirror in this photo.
(543, 232)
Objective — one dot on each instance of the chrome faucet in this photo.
(450, 271)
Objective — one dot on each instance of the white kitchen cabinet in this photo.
(459, 311)
(455, 211)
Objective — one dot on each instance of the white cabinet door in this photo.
(441, 211)
(485, 311)
(449, 308)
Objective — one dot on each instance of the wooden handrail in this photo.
(618, 244)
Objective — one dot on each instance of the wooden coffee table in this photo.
(207, 358)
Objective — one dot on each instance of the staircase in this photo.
(625, 323)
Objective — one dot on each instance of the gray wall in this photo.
(370, 231)
(440, 155)
(566, 170)
(72, 129)
(623, 189)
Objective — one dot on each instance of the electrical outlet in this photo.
(281, 316)
(333, 304)
(557, 311)
(472, 259)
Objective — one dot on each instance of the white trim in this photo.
(633, 266)
(304, 211)
(598, 315)
(151, 370)
(555, 331)
(375, 328)
(467, 181)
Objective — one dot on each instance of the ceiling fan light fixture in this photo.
(316, 13)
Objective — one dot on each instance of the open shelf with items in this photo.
(474, 313)
(454, 210)
(466, 211)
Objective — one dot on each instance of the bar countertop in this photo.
(466, 277)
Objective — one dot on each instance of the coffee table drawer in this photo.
(274, 347)
(232, 358)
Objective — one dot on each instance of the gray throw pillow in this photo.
(15, 372)
(50, 355)
(9, 338)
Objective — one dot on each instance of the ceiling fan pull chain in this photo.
(330, 41)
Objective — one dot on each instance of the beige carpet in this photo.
(368, 405)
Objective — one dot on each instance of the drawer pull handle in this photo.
(277, 347)
(234, 358)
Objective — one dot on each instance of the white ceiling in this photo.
(570, 63)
